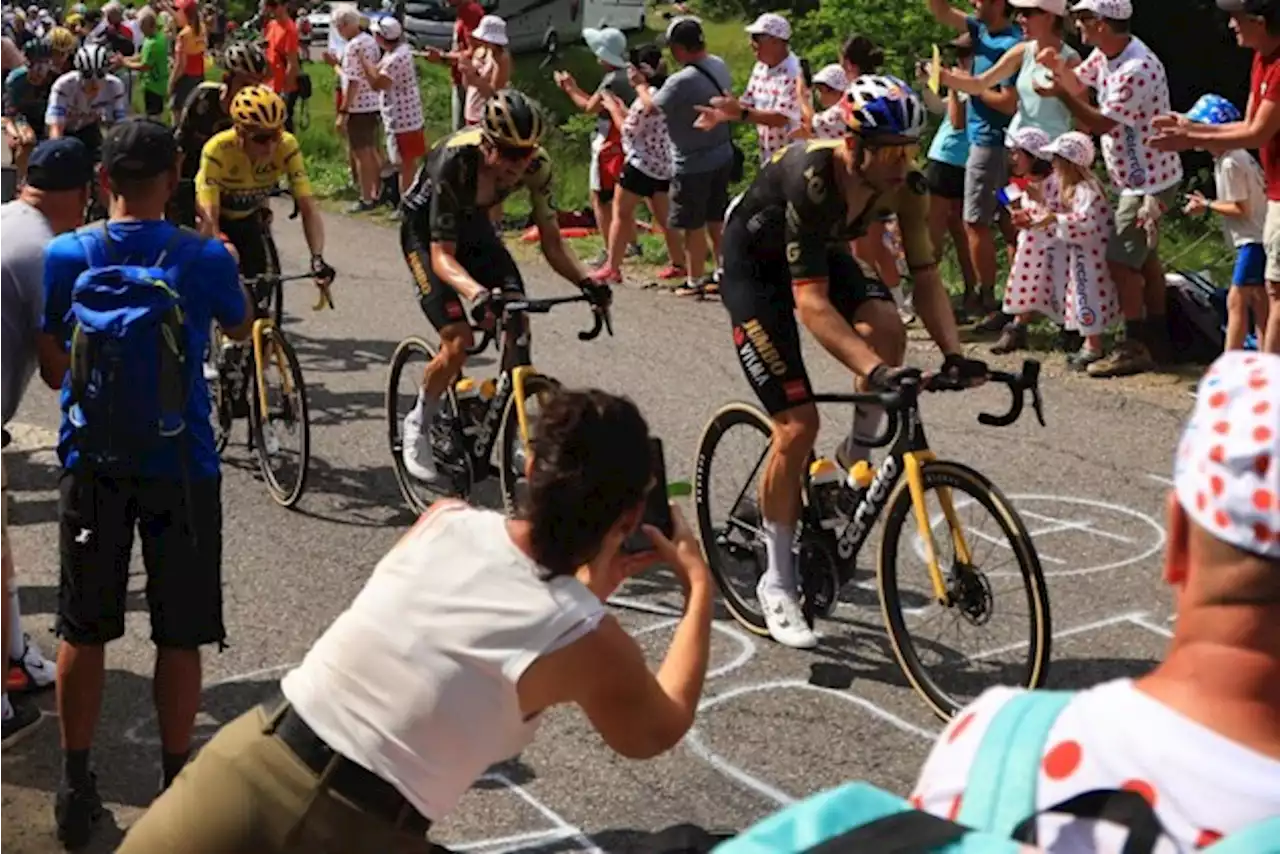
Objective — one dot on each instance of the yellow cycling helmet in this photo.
(61, 40)
(512, 120)
(258, 107)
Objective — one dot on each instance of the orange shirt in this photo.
(282, 43)
(192, 47)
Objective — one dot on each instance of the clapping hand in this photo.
(1196, 204)
(724, 108)
(1171, 133)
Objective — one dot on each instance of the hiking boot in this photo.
(1129, 357)
(24, 717)
(1012, 339)
(993, 322)
(1068, 340)
(76, 812)
(1083, 358)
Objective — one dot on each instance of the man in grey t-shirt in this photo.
(52, 201)
(703, 159)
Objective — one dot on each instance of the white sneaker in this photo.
(783, 617)
(40, 672)
(417, 456)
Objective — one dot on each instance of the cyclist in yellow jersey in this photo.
(239, 168)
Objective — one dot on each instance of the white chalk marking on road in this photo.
(1096, 504)
(1158, 478)
(1004, 544)
(1086, 525)
(132, 735)
(570, 831)
(655, 627)
(694, 740)
(1141, 621)
(746, 644)
(514, 842)
(1065, 633)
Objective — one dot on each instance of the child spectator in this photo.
(829, 86)
(152, 63)
(1242, 203)
(1033, 284)
(646, 146)
(1082, 221)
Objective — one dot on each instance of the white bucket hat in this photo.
(1053, 7)
(832, 75)
(609, 45)
(771, 24)
(492, 30)
(1031, 140)
(1073, 146)
(387, 27)
(1227, 471)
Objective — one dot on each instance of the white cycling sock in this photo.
(15, 626)
(8, 709)
(424, 409)
(868, 421)
(780, 573)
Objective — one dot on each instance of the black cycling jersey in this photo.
(443, 194)
(202, 118)
(794, 209)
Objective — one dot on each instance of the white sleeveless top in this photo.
(416, 681)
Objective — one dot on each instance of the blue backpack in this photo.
(997, 815)
(129, 380)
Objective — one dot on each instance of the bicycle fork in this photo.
(261, 328)
(915, 462)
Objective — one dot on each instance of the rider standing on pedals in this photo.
(85, 98)
(787, 256)
(207, 113)
(454, 253)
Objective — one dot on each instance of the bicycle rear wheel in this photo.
(284, 467)
(514, 450)
(1001, 578)
(451, 454)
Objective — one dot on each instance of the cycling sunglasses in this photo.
(889, 155)
(93, 75)
(265, 137)
(513, 152)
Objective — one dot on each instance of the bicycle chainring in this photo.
(452, 454)
(819, 578)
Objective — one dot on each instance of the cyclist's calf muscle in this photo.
(795, 432)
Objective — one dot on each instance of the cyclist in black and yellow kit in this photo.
(239, 168)
(787, 256)
(454, 253)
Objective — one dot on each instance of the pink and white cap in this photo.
(1115, 10)
(1227, 470)
(1073, 146)
(1029, 139)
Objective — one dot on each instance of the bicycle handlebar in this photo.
(523, 305)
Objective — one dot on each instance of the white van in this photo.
(530, 23)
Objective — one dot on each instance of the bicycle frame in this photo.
(264, 325)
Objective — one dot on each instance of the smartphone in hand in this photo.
(657, 512)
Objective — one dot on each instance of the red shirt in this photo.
(1264, 85)
(469, 15)
(282, 43)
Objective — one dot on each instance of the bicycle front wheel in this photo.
(1000, 577)
(514, 445)
(282, 434)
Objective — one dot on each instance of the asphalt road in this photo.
(776, 723)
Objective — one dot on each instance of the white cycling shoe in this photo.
(784, 619)
(416, 454)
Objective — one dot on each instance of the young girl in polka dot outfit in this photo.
(1033, 281)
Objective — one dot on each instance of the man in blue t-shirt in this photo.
(989, 114)
(172, 495)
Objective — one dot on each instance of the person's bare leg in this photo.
(1237, 318)
(604, 214)
(960, 239)
(1153, 294)
(1271, 337)
(370, 173)
(79, 693)
(695, 253)
(716, 232)
(623, 230)
(407, 173)
(660, 205)
(982, 248)
(1130, 292)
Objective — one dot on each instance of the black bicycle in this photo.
(478, 417)
(962, 562)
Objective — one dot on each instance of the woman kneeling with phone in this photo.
(467, 630)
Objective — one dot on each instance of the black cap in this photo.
(686, 32)
(60, 164)
(137, 149)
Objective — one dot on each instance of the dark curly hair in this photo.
(864, 53)
(590, 465)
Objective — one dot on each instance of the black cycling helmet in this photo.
(245, 58)
(512, 120)
(37, 50)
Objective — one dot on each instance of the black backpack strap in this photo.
(908, 832)
(1127, 809)
(707, 74)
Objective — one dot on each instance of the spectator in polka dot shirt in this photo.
(1133, 90)
(1199, 736)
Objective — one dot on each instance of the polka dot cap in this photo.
(1029, 139)
(1073, 146)
(1227, 471)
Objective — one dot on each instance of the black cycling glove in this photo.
(964, 369)
(486, 305)
(321, 269)
(601, 295)
(885, 378)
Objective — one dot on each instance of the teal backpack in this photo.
(997, 815)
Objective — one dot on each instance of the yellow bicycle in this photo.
(963, 565)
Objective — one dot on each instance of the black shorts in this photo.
(181, 551)
(152, 104)
(645, 186)
(91, 136)
(480, 252)
(699, 199)
(252, 239)
(945, 181)
(757, 295)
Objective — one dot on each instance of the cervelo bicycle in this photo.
(477, 416)
(263, 383)
(834, 525)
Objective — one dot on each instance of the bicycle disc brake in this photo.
(970, 592)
